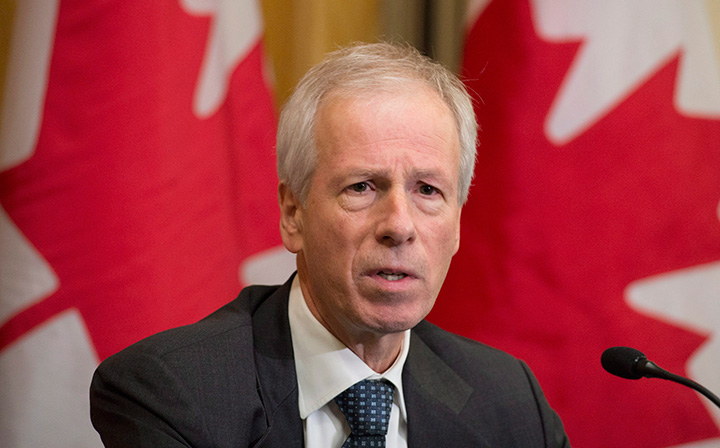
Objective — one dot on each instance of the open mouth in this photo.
(392, 276)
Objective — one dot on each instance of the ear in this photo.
(457, 232)
(290, 219)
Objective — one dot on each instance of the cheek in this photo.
(445, 240)
(328, 238)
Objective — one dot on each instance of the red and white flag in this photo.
(137, 190)
(594, 218)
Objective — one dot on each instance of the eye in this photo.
(427, 190)
(358, 196)
(359, 187)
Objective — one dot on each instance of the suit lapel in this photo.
(275, 369)
(434, 397)
(434, 394)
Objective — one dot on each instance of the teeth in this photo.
(392, 277)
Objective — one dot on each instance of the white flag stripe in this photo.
(26, 79)
(25, 277)
(45, 377)
(270, 267)
(687, 298)
(710, 443)
(624, 44)
(235, 28)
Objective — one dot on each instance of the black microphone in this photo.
(632, 364)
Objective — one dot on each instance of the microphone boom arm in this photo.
(651, 370)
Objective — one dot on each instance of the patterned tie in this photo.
(367, 407)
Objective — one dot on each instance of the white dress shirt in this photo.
(325, 367)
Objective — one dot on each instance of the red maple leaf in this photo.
(552, 236)
(143, 210)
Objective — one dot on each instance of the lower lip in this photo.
(399, 284)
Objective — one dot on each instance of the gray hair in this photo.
(365, 68)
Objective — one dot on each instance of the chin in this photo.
(394, 320)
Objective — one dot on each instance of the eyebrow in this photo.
(430, 175)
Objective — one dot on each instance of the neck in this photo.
(377, 349)
(379, 354)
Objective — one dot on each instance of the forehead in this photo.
(411, 122)
(353, 99)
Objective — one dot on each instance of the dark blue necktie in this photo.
(367, 407)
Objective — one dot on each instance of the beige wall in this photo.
(7, 12)
(299, 32)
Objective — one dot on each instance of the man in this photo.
(376, 152)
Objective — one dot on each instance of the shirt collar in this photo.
(325, 366)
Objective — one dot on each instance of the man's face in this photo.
(381, 222)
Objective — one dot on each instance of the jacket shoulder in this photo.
(191, 383)
(492, 391)
(461, 351)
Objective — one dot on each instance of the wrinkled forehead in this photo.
(413, 125)
(389, 110)
(409, 117)
(349, 101)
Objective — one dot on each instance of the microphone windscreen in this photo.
(622, 362)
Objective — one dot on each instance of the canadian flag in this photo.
(137, 190)
(594, 218)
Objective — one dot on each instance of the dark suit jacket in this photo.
(229, 381)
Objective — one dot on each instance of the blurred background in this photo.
(298, 34)
(137, 189)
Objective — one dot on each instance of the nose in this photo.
(395, 219)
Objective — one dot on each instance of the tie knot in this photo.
(366, 406)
